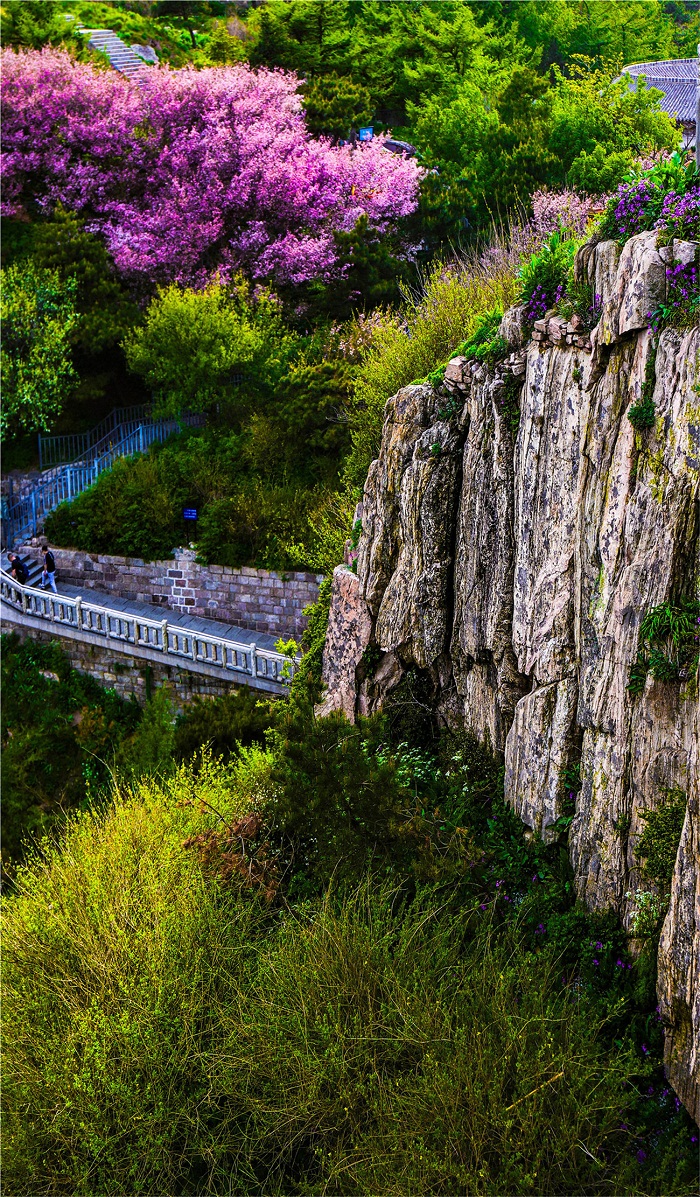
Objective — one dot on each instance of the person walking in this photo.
(49, 571)
(18, 569)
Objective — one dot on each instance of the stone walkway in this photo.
(211, 627)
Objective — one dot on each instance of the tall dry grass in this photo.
(167, 1033)
(406, 345)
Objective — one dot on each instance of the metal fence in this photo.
(178, 645)
(23, 514)
(58, 450)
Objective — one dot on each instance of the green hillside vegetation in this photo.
(226, 983)
(64, 737)
(498, 99)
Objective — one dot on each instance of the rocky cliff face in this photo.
(510, 561)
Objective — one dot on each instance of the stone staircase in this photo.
(34, 567)
(122, 57)
(26, 503)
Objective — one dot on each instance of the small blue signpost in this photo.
(189, 515)
(367, 133)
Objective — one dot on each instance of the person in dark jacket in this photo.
(49, 571)
(18, 569)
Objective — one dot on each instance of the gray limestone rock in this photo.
(349, 631)
(539, 748)
(515, 571)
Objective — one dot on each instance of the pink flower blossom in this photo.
(194, 173)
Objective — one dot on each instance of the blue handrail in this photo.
(23, 515)
(59, 450)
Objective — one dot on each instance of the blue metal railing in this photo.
(59, 450)
(23, 515)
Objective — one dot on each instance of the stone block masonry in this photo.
(129, 676)
(257, 599)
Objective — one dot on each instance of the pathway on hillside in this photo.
(154, 634)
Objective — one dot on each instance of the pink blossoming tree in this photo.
(195, 173)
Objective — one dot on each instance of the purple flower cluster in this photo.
(681, 284)
(680, 215)
(538, 305)
(633, 209)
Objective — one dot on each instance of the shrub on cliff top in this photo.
(543, 276)
(653, 198)
(409, 344)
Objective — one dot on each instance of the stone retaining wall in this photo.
(257, 599)
(129, 675)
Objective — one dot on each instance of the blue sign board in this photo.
(367, 134)
(189, 513)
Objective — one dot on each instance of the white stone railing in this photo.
(179, 645)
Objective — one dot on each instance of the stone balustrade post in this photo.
(164, 634)
(78, 612)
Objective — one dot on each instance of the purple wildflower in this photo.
(680, 215)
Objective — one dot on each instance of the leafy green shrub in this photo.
(658, 843)
(60, 732)
(223, 723)
(599, 124)
(485, 343)
(105, 311)
(194, 345)
(38, 319)
(149, 751)
(306, 684)
(329, 526)
(543, 277)
(599, 171)
(350, 812)
(668, 644)
(334, 105)
(642, 415)
(134, 510)
(254, 525)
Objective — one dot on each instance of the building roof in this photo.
(678, 80)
